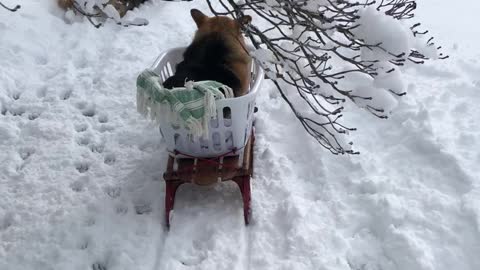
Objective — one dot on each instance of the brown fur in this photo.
(65, 4)
(239, 61)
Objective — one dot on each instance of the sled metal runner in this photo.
(208, 171)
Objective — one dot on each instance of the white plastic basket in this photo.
(226, 133)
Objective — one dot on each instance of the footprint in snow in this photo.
(17, 111)
(89, 112)
(84, 244)
(85, 140)
(143, 208)
(90, 222)
(33, 116)
(41, 60)
(97, 147)
(26, 152)
(103, 118)
(194, 260)
(82, 167)
(104, 128)
(99, 266)
(121, 209)
(113, 192)
(79, 184)
(93, 146)
(476, 83)
(16, 96)
(8, 220)
(109, 159)
(81, 127)
(65, 94)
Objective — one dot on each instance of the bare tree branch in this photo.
(302, 38)
(17, 7)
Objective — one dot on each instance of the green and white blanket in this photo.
(192, 105)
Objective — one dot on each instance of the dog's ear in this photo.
(244, 20)
(198, 17)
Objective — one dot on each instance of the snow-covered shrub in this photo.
(17, 7)
(324, 55)
(97, 11)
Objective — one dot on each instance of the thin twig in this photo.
(17, 7)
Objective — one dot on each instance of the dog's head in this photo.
(218, 24)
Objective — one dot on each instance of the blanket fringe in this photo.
(156, 111)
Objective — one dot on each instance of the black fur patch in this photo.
(205, 59)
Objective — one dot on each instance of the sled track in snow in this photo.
(207, 230)
(163, 246)
(160, 248)
(248, 249)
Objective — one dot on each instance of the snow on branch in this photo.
(17, 7)
(99, 11)
(324, 55)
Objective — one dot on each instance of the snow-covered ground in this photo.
(81, 172)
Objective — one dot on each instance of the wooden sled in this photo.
(208, 171)
(226, 154)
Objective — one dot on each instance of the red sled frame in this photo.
(208, 171)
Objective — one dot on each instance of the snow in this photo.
(377, 28)
(111, 12)
(81, 171)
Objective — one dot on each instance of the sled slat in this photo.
(206, 173)
(229, 167)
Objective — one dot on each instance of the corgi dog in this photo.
(218, 52)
